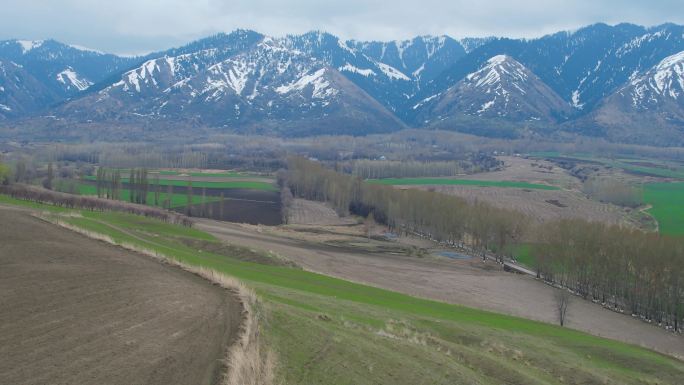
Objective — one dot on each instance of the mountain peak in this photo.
(501, 88)
(497, 69)
(666, 79)
(28, 45)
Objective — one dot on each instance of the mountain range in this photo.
(624, 83)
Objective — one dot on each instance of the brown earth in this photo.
(542, 205)
(77, 311)
(467, 282)
(519, 169)
(306, 212)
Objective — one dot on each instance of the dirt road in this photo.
(78, 311)
(459, 282)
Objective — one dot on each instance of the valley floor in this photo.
(468, 282)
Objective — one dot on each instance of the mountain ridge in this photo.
(379, 86)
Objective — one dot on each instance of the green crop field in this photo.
(230, 174)
(177, 200)
(523, 254)
(249, 185)
(461, 182)
(327, 330)
(667, 200)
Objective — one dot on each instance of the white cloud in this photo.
(130, 26)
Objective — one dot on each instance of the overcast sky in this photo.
(139, 26)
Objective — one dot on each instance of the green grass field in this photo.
(230, 174)
(249, 185)
(461, 182)
(523, 254)
(331, 331)
(667, 200)
(177, 200)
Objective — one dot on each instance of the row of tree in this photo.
(37, 194)
(376, 169)
(624, 269)
(611, 190)
(5, 173)
(445, 218)
(108, 183)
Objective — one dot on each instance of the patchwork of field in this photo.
(536, 188)
(536, 171)
(198, 182)
(663, 192)
(244, 201)
(78, 311)
(636, 166)
(328, 330)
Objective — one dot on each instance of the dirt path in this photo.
(77, 311)
(460, 282)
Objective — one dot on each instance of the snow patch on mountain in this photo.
(70, 78)
(235, 77)
(364, 72)
(321, 86)
(666, 79)
(576, 100)
(392, 72)
(638, 42)
(426, 100)
(28, 45)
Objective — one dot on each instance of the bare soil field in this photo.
(306, 212)
(519, 169)
(469, 282)
(544, 205)
(77, 311)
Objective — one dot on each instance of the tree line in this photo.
(444, 218)
(377, 169)
(624, 269)
(40, 195)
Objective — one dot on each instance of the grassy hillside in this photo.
(462, 182)
(330, 331)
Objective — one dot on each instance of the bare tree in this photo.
(562, 298)
(370, 224)
(47, 183)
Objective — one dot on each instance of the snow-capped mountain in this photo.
(265, 85)
(502, 89)
(317, 83)
(65, 69)
(582, 66)
(654, 99)
(420, 59)
(20, 92)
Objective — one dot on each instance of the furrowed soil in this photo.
(78, 311)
